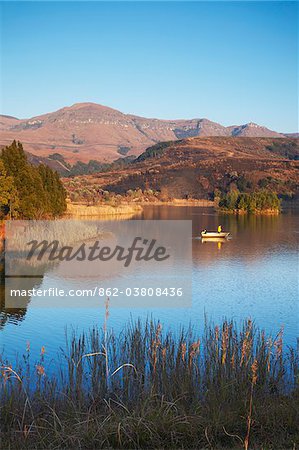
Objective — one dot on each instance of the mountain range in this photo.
(89, 131)
(195, 167)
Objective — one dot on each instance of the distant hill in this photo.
(88, 131)
(292, 135)
(252, 130)
(195, 167)
(56, 164)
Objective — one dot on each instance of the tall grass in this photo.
(102, 211)
(149, 388)
(67, 232)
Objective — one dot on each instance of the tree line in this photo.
(27, 191)
(258, 201)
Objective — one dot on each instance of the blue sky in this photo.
(232, 62)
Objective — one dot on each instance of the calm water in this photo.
(255, 274)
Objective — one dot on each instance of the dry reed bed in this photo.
(81, 210)
(66, 231)
(147, 388)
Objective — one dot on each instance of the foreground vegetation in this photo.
(27, 191)
(257, 202)
(147, 388)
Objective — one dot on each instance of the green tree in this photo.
(55, 194)
(38, 192)
(243, 202)
(256, 201)
(6, 186)
(9, 200)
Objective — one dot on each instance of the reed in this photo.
(101, 211)
(75, 232)
(232, 387)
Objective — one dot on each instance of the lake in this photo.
(255, 274)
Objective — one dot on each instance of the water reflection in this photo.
(253, 274)
(15, 315)
(252, 236)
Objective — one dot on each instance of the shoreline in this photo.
(242, 212)
(180, 202)
(130, 208)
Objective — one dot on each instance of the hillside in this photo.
(88, 131)
(195, 167)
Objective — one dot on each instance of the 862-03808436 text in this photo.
(100, 291)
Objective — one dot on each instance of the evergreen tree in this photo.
(14, 158)
(8, 194)
(55, 193)
(35, 192)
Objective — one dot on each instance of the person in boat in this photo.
(219, 228)
(204, 231)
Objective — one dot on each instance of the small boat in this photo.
(214, 235)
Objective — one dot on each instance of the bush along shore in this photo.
(148, 388)
(82, 191)
(259, 202)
